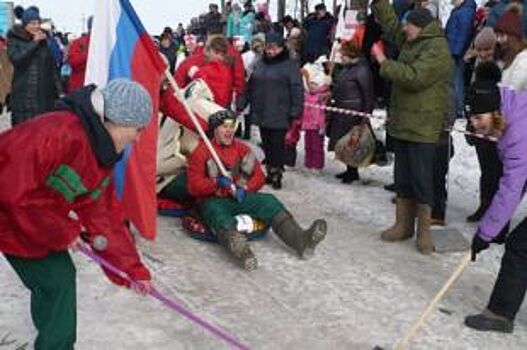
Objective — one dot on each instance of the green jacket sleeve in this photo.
(392, 28)
(419, 74)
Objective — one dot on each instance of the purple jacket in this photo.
(512, 149)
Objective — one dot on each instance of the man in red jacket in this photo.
(58, 163)
(221, 198)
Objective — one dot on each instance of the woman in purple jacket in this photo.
(510, 127)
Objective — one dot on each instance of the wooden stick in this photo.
(194, 119)
(403, 342)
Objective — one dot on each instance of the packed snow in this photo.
(357, 292)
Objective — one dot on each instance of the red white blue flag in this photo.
(121, 48)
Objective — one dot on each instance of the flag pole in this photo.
(194, 119)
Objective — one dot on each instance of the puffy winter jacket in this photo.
(275, 92)
(511, 149)
(36, 82)
(48, 168)
(460, 27)
(420, 78)
(353, 90)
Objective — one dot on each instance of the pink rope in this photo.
(371, 116)
(235, 343)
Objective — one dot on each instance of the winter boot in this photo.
(478, 214)
(276, 178)
(236, 244)
(489, 321)
(404, 227)
(424, 219)
(341, 175)
(302, 241)
(352, 174)
(390, 187)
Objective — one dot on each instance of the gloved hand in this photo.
(212, 169)
(478, 245)
(224, 181)
(247, 165)
(239, 194)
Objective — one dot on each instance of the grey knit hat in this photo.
(127, 103)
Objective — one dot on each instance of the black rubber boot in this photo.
(341, 175)
(477, 215)
(302, 241)
(489, 321)
(352, 174)
(274, 178)
(236, 244)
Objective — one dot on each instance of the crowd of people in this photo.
(288, 78)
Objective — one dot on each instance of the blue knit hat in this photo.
(127, 103)
(32, 13)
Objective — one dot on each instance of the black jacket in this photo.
(352, 90)
(275, 92)
(36, 82)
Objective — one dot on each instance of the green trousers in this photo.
(177, 190)
(219, 213)
(51, 281)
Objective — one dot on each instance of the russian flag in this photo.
(121, 48)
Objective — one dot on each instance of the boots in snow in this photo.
(341, 175)
(404, 227)
(302, 241)
(352, 174)
(236, 244)
(424, 238)
(489, 321)
(478, 214)
(274, 178)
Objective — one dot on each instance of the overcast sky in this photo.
(155, 14)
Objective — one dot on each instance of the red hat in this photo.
(510, 23)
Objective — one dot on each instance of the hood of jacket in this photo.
(81, 105)
(281, 57)
(18, 32)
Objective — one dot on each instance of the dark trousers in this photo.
(51, 281)
(491, 171)
(444, 152)
(273, 143)
(509, 289)
(414, 170)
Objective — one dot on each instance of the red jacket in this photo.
(198, 59)
(200, 185)
(78, 58)
(47, 169)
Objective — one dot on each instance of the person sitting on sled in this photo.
(220, 198)
(55, 164)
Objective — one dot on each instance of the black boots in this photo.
(489, 321)
(477, 215)
(302, 241)
(274, 177)
(351, 174)
(236, 244)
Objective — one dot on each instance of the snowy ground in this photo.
(357, 292)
